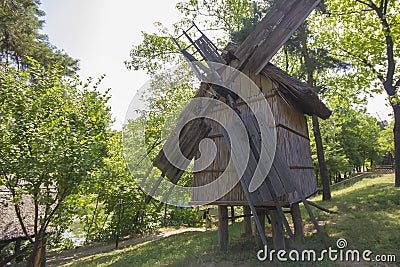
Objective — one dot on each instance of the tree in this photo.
(366, 34)
(219, 18)
(386, 142)
(20, 24)
(53, 133)
(112, 206)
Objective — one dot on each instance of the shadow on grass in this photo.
(369, 219)
(186, 249)
(369, 216)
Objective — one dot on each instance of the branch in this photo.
(365, 62)
(17, 209)
(35, 203)
(388, 83)
(350, 13)
(16, 255)
(381, 4)
(21, 222)
(365, 3)
(47, 220)
(385, 5)
(322, 208)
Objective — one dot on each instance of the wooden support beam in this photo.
(154, 189)
(247, 221)
(223, 235)
(297, 221)
(277, 230)
(261, 212)
(165, 198)
(281, 21)
(146, 176)
(233, 214)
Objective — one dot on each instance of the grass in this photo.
(369, 214)
(369, 219)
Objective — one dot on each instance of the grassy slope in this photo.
(369, 219)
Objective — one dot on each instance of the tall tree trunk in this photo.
(36, 257)
(396, 130)
(326, 190)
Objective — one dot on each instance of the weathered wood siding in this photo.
(292, 143)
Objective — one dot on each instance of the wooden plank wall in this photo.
(292, 143)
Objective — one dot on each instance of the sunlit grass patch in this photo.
(369, 219)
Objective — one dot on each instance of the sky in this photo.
(100, 33)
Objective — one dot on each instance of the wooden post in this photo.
(261, 217)
(223, 235)
(247, 221)
(297, 221)
(277, 230)
(232, 214)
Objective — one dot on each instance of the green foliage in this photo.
(354, 32)
(53, 134)
(114, 203)
(371, 195)
(386, 139)
(20, 24)
(350, 140)
(371, 204)
(219, 18)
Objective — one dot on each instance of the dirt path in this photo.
(66, 256)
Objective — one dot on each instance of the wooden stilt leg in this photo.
(261, 217)
(247, 220)
(223, 235)
(233, 214)
(277, 230)
(297, 221)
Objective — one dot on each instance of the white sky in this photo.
(100, 33)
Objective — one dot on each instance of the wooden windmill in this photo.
(290, 179)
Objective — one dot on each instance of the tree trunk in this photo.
(17, 249)
(36, 257)
(396, 109)
(326, 190)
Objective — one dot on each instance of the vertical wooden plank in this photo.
(297, 221)
(223, 235)
(247, 221)
(232, 214)
(277, 230)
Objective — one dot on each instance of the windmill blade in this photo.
(188, 142)
(282, 20)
